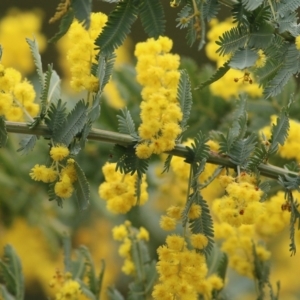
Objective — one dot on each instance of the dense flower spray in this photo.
(157, 71)
(81, 55)
(119, 190)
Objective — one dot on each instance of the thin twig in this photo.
(112, 137)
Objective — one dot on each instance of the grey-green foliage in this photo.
(27, 144)
(82, 188)
(72, 125)
(126, 124)
(12, 275)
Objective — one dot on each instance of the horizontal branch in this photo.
(125, 140)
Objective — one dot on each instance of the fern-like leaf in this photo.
(34, 48)
(3, 132)
(243, 59)
(56, 115)
(45, 91)
(204, 224)
(251, 4)
(279, 132)
(219, 74)
(52, 196)
(54, 88)
(167, 163)
(242, 149)
(199, 149)
(184, 97)
(232, 40)
(153, 17)
(285, 6)
(27, 144)
(64, 26)
(117, 27)
(128, 162)
(11, 271)
(210, 9)
(82, 188)
(72, 125)
(261, 36)
(82, 11)
(259, 156)
(126, 124)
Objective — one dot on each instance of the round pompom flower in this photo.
(59, 152)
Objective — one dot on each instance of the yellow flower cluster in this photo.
(157, 71)
(82, 53)
(66, 173)
(119, 190)
(16, 26)
(16, 96)
(234, 81)
(128, 235)
(276, 215)
(68, 289)
(238, 245)
(291, 147)
(182, 273)
(240, 205)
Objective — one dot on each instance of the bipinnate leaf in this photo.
(72, 125)
(34, 48)
(64, 26)
(279, 132)
(82, 188)
(251, 4)
(126, 124)
(184, 96)
(82, 11)
(56, 115)
(11, 271)
(243, 59)
(153, 17)
(27, 144)
(3, 132)
(117, 27)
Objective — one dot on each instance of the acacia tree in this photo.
(258, 54)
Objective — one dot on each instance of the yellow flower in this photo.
(261, 61)
(38, 172)
(143, 234)
(59, 152)
(64, 187)
(70, 291)
(120, 232)
(167, 223)
(195, 211)
(199, 240)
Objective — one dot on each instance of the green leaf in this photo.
(198, 150)
(54, 88)
(251, 4)
(128, 162)
(11, 271)
(3, 132)
(45, 91)
(167, 163)
(242, 149)
(203, 224)
(232, 40)
(126, 124)
(184, 96)
(243, 59)
(56, 115)
(72, 125)
(85, 290)
(27, 144)
(219, 74)
(82, 188)
(152, 17)
(67, 247)
(285, 6)
(64, 26)
(279, 131)
(82, 11)
(34, 48)
(262, 36)
(210, 9)
(117, 27)
(260, 155)
(5, 294)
